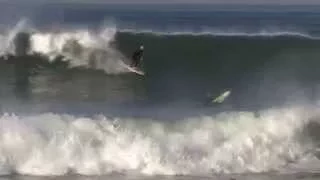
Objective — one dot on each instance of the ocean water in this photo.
(88, 117)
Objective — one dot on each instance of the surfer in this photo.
(137, 57)
(22, 43)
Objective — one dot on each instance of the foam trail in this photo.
(235, 142)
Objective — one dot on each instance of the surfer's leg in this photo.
(134, 63)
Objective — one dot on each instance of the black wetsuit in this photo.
(137, 57)
(22, 43)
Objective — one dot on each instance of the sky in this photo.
(226, 1)
(280, 2)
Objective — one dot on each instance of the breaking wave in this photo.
(187, 66)
(233, 142)
(81, 47)
(97, 49)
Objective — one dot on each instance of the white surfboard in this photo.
(133, 69)
(221, 97)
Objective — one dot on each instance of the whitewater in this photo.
(81, 47)
(233, 142)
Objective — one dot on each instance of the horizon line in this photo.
(161, 3)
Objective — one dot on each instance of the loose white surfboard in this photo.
(221, 97)
(133, 69)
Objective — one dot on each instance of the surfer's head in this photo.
(141, 47)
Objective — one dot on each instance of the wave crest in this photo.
(222, 32)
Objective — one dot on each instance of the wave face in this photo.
(234, 142)
(251, 64)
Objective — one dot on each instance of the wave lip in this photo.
(234, 142)
(262, 33)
